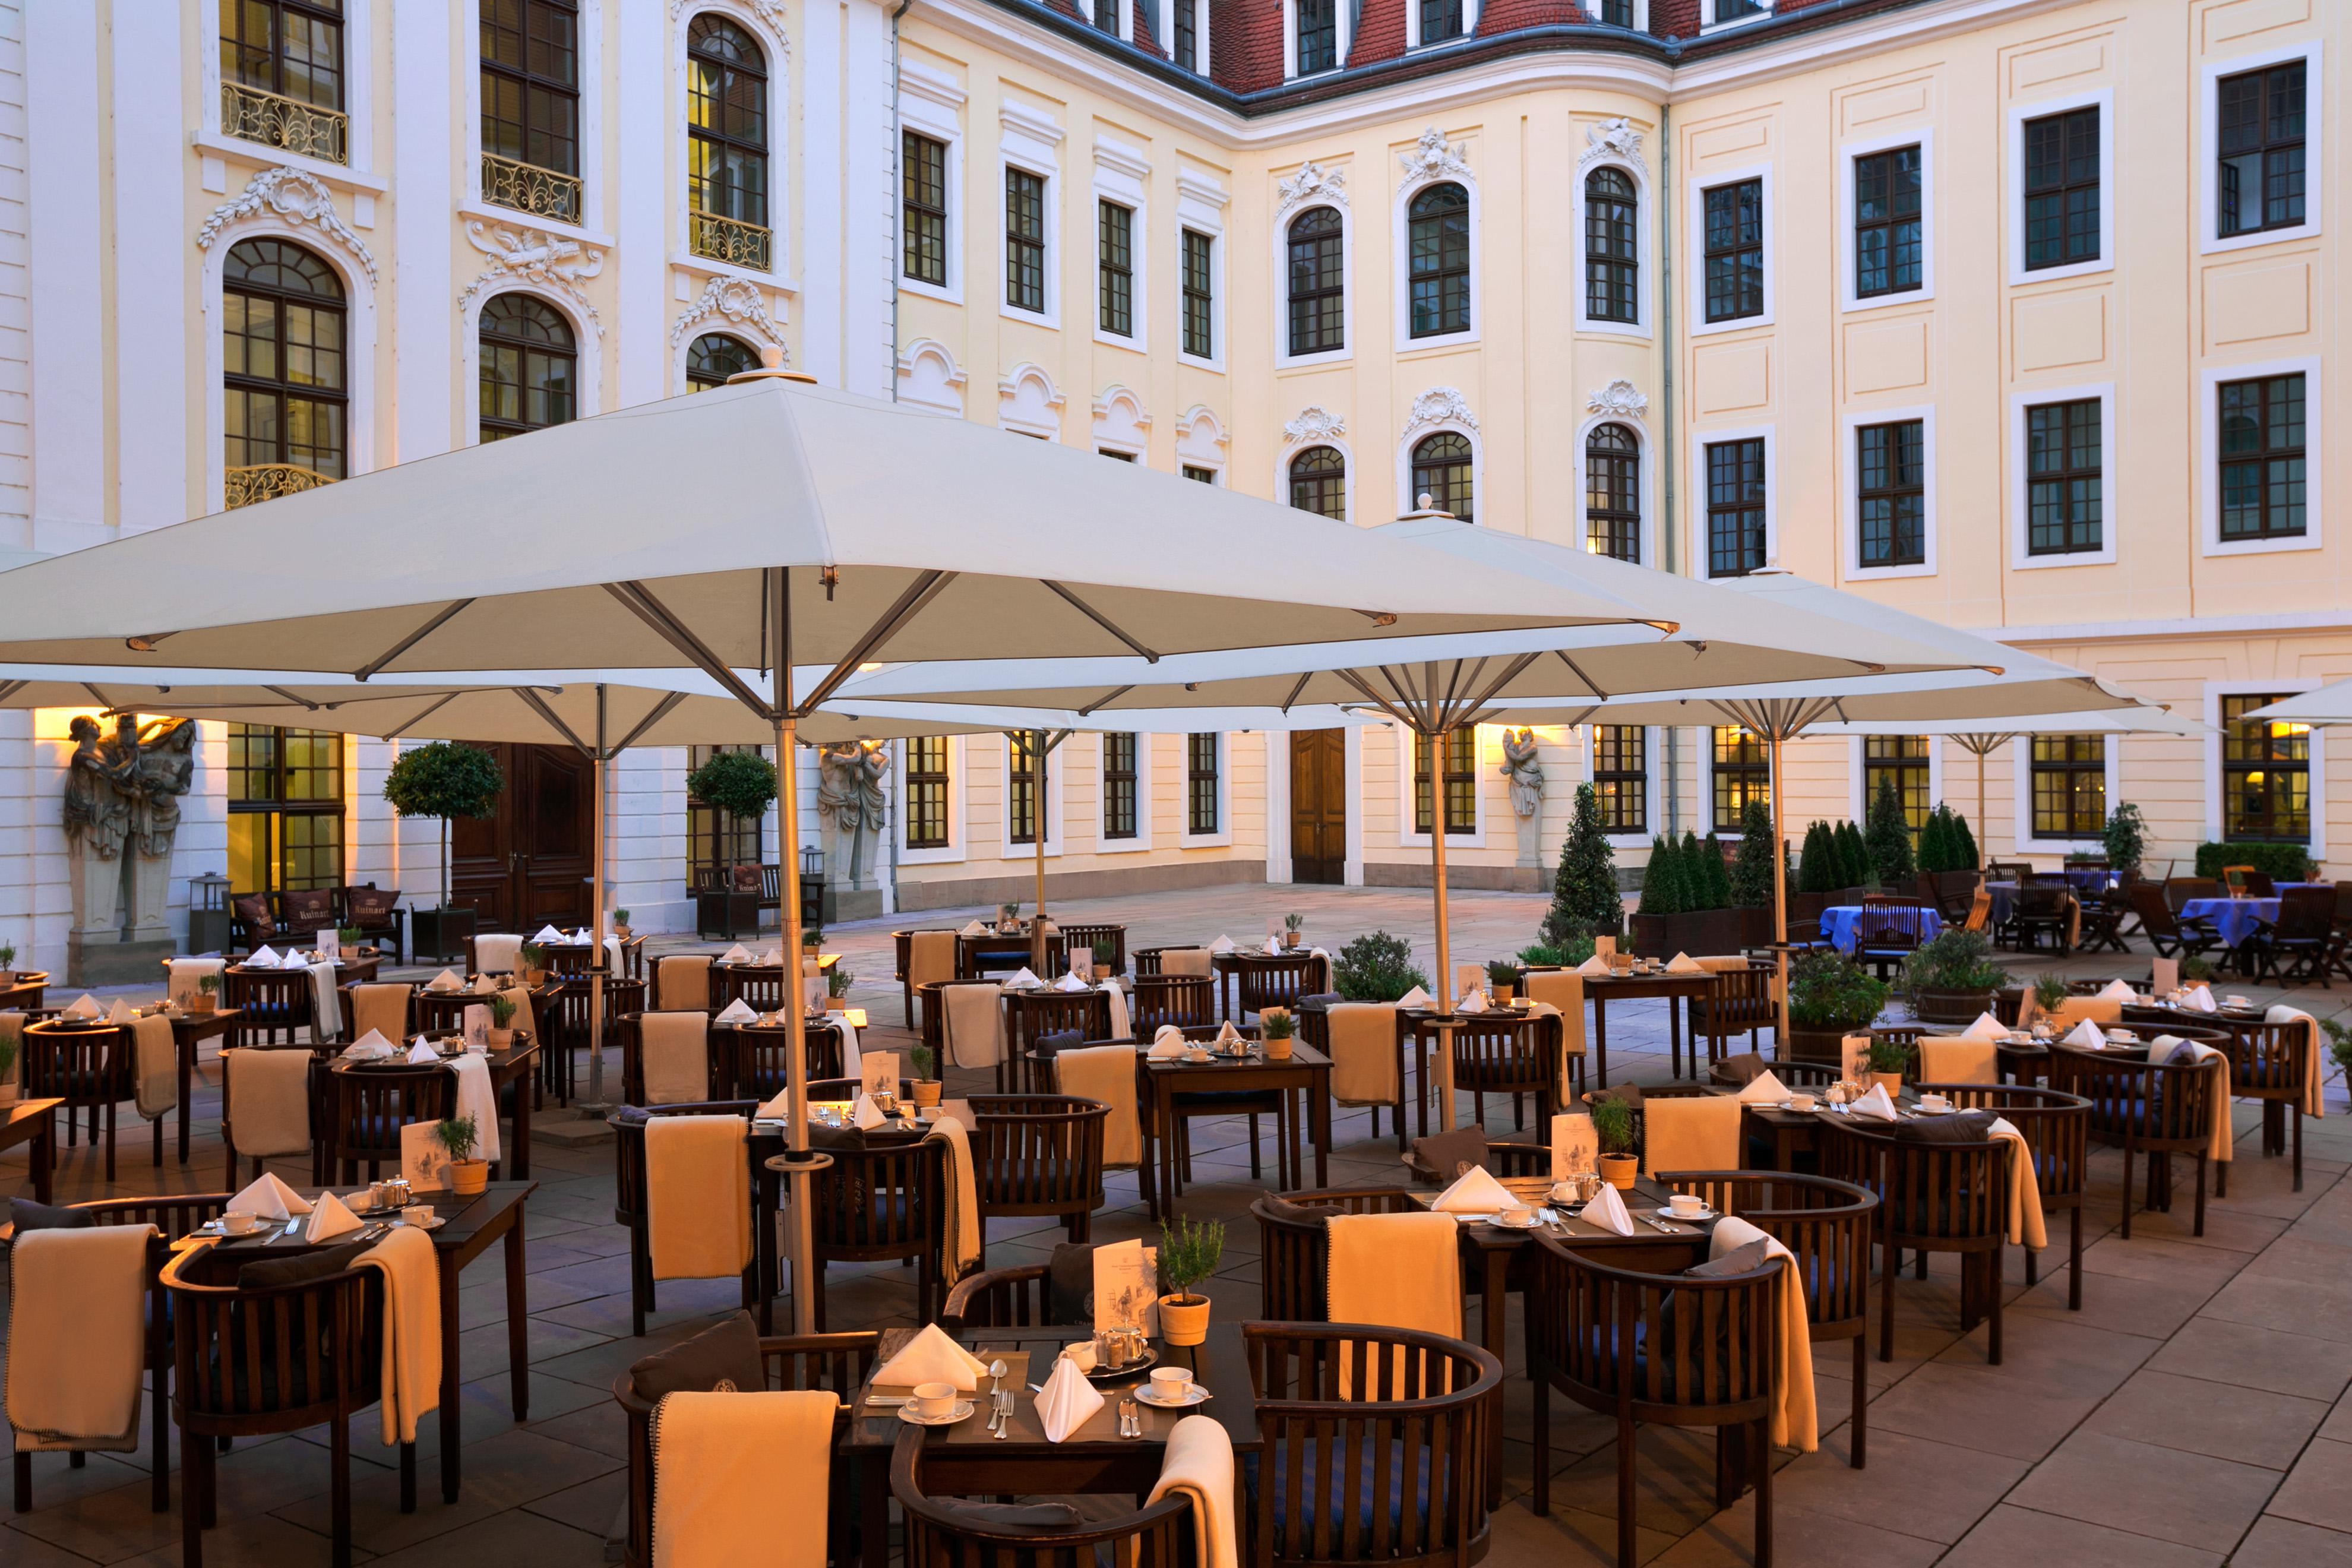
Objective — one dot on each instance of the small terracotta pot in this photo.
(468, 1177)
(501, 1039)
(1291, 938)
(7, 1095)
(927, 1092)
(1184, 1321)
(1619, 1170)
(534, 977)
(203, 1002)
(837, 1003)
(1892, 1083)
(1279, 1050)
(1503, 994)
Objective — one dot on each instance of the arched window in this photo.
(286, 399)
(1612, 493)
(1319, 282)
(726, 143)
(1440, 471)
(711, 358)
(1438, 225)
(1319, 482)
(529, 367)
(1611, 264)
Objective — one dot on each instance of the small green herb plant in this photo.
(1376, 967)
(1888, 1055)
(1293, 922)
(208, 983)
(1502, 972)
(1955, 960)
(1102, 954)
(2196, 971)
(8, 955)
(811, 936)
(1276, 1025)
(925, 1062)
(1612, 1124)
(533, 955)
(836, 981)
(621, 917)
(457, 1136)
(502, 1009)
(2050, 991)
(1830, 990)
(348, 935)
(1189, 1253)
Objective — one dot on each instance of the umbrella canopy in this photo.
(2329, 705)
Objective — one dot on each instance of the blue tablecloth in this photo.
(1839, 923)
(2235, 919)
(2091, 881)
(2004, 900)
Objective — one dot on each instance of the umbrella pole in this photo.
(798, 1172)
(1780, 896)
(1038, 839)
(1984, 830)
(1444, 952)
(596, 954)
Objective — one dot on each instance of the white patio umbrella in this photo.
(2322, 709)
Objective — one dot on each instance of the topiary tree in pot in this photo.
(444, 779)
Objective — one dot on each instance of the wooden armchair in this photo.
(2158, 1112)
(1187, 1000)
(878, 1206)
(939, 1535)
(1040, 1154)
(1511, 1053)
(90, 1069)
(1086, 937)
(273, 1005)
(1933, 1197)
(631, 1205)
(2269, 1064)
(2056, 1127)
(1275, 979)
(368, 1105)
(1737, 1000)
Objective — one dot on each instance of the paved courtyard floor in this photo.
(2193, 1412)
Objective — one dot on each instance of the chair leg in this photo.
(1763, 1430)
(2202, 1160)
(2075, 1261)
(196, 1458)
(1860, 1400)
(158, 1499)
(1992, 1303)
(408, 1478)
(1889, 1267)
(22, 1500)
(1627, 1455)
(1539, 1500)
(1257, 1167)
(2128, 1191)
(110, 1141)
(2298, 1147)
(340, 1448)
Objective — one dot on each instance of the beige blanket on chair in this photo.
(1690, 1132)
(1942, 1059)
(973, 1025)
(1198, 1463)
(2314, 1056)
(383, 1008)
(1107, 1073)
(1563, 989)
(268, 1093)
(78, 1337)
(154, 1065)
(674, 1057)
(1185, 960)
(717, 1461)
(1363, 1053)
(411, 1329)
(2025, 1189)
(698, 1196)
(1398, 1270)
(1796, 1422)
(960, 1242)
(682, 981)
(931, 956)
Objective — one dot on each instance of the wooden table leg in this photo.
(45, 1159)
(1165, 1107)
(450, 1396)
(1674, 1035)
(187, 1085)
(1600, 1043)
(518, 1323)
(1319, 1121)
(1493, 1292)
(1293, 1112)
(872, 1510)
(521, 1163)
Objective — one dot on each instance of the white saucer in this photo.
(436, 1223)
(1667, 1214)
(963, 1412)
(1498, 1222)
(1193, 1394)
(1930, 1110)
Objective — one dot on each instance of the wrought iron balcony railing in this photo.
(252, 115)
(267, 481)
(528, 188)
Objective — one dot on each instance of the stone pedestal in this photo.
(104, 958)
(1531, 845)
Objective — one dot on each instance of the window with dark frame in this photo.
(1188, 37)
(1020, 790)
(1319, 482)
(1440, 20)
(1200, 295)
(530, 83)
(2261, 144)
(1115, 269)
(1904, 759)
(1119, 785)
(1024, 240)
(2062, 188)
(1114, 455)
(923, 207)
(2265, 773)
(1735, 250)
(1742, 772)
(1442, 470)
(1734, 507)
(285, 809)
(2262, 458)
(2070, 786)
(1107, 17)
(1736, 10)
(1621, 776)
(1891, 493)
(711, 358)
(285, 400)
(1460, 781)
(717, 839)
(1613, 492)
(1612, 13)
(2065, 477)
(1200, 475)
(1319, 282)
(927, 793)
(1200, 815)
(726, 123)
(293, 49)
(1318, 36)
(528, 367)
(1611, 249)
(1438, 243)
(1888, 240)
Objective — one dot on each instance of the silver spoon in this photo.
(997, 1371)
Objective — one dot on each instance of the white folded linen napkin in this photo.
(1169, 1043)
(1607, 1210)
(1023, 978)
(974, 929)
(1596, 964)
(1476, 1192)
(1986, 1027)
(771, 959)
(1227, 1034)
(735, 1012)
(2117, 991)
(2202, 999)
(2086, 1035)
(546, 935)
(1471, 1002)
(423, 1051)
(329, 1220)
(1071, 983)
(1223, 945)
(1416, 997)
(485, 984)
(778, 1109)
(1069, 1401)
(1764, 1088)
(932, 1357)
(445, 981)
(262, 957)
(270, 1198)
(368, 1047)
(738, 954)
(1876, 1104)
(1684, 963)
(118, 1012)
(83, 1007)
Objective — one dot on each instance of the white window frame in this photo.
(1141, 842)
(1123, 176)
(2210, 240)
(1282, 358)
(2209, 456)
(1646, 497)
(1645, 250)
(1195, 450)
(2217, 689)
(1409, 835)
(587, 351)
(1848, 277)
(954, 849)
(777, 49)
(1858, 798)
(1165, 27)
(1400, 242)
(1700, 441)
(1707, 28)
(2013, 201)
(470, 203)
(1055, 775)
(2021, 478)
(1290, 451)
(1343, 33)
(1849, 467)
(1130, 436)
(1651, 817)
(1699, 325)
(1029, 142)
(1412, 39)
(1409, 498)
(2020, 790)
(931, 104)
(1223, 836)
(1702, 808)
(356, 177)
(1201, 203)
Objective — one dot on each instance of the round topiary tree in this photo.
(739, 783)
(444, 779)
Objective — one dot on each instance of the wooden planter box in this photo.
(1818, 1044)
(1707, 932)
(1952, 1007)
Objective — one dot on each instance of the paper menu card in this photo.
(1127, 1288)
(422, 1160)
(1468, 977)
(1575, 1146)
(1082, 963)
(877, 1072)
(330, 945)
(2167, 972)
(1854, 1056)
(1604, 947)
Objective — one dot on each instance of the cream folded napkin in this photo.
(1169, 1043)
(329, 1220)
(1023, 978)
(368, 1047)
(2087, 1036)
(445, 981)
(1477, 1191)
(2117, 991)
(1986, 1027)
(1607, 1210)
(1071, 983)
(776, 1110)
(84, 1007)
(865, 1115)
(547, 934)
(773, 958)
(1227, 1034)
(974, 929)
(1764, 1088)
(1876, 1104)
(738, 954)
(1223, 945)
(485, 984)
(423, 1051)
(1684, 963)
(932, 1357)
(270, 1198)
(1596, 964)
(1416, 997)
(262, 957)
(1471, 1002)
(2201, 999)
(735, 1012)
(1067, 1402)
(120, 1012)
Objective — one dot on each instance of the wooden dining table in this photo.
(510, 1064)
(34, 1123)
(25, 993)
(1673, 989)
(1306, 1073)
(190, 1030)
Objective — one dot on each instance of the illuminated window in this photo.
(1613, 492)
(2265, 773)
(285, 809)
(1612, 263)
(2070, 786)
(1621, 776)
(1904, 759)
(1461, 782)
(711, 358)
(1742, 772)
(927, 793)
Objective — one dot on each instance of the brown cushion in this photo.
(1300, 1213)
(1441, 1152)
(255, 909)
(1742, 1260)
(1017, 1515)
(300, 1269)
(1070, 1283)
(1746, 1068)
(30, 1215)
(1624, 1093)
(1959, 1127)
(310, 909)
(722, 1359)
(370, 905)
(747, 878)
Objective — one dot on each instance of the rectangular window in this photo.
(1115, 267)
(2070, 786)
(923, 209)
(1024, 240)
(285, 809)
(1188, 37)
(2063, 478)
(2261, 148)
(1904, 759)
(1200, 783)
(1736, 10)
(1887, 250)
(1199, 298)
(1892, 493)
(2062, 189)
(2265, 773)
(1119, 785)
(927, 793)
(1735, 250)
(1318, 36)
(2262, 458)
(1107, 17)
(1621, 776)
(715, 839)
(1742, 772)
(1021, 788)
(1734, 507)
(531, 104)
(1461, 782)
(1201, 476)
(1114, 457)
(1440, 20)
(1613, 13)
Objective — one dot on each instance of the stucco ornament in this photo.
(288, 194)
(533, 256)
(1313, 184)
(1620, 397)
(1315, 424)
(1434, 157)
(1611, 139)
(735, 302)
(770, 15)
(1439, 405)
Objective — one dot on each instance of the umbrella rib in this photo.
(539, 705)
(9, 688)
(1590, 685)
(918, 594)
(1509, 674)
(291, 697)
(1101, 620)
(102, 699)
(1374, 698)
(661, 710)
(1105, 700)
(437, 704)
(654, 613)
(411, 640)
(1293, 698)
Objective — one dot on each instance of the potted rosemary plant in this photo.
(468, 1175)
(926, 1063)
(207, 996)
(1189, 1251)
(1887, 1059)
(1612, 1125)
(502, 1015)
(1503, 978)
(837, 989)
(534, 963)
(7, 964)
(1276, 1029)
(621, 924)
(1292, 925)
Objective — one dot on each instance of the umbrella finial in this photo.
(772, 368)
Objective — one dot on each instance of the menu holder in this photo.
(877, 1072)
(2166, 976)
(1127, 1288)
(423, 1159)
(1604, 947)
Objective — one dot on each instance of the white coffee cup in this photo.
(933, 1399)
(237, 1222)
(1687, 1206)
(1517, 1213)
(418, 1214)
(1170, 1385)
(1082, 1352)
(1934, 1102)
(1801, 1103)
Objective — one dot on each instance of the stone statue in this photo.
(851, 800)
(98, 825)
(1525, 772)
(122, 818)
(162, 766)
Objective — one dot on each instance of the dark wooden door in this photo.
(527, 866)
(1318, 806)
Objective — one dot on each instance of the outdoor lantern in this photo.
(812, 861)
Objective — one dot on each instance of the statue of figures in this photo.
(97, 825)
(851, 800)
(1526, 774)
(162, 765)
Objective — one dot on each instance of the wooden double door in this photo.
(528, 865)
(1319, 806)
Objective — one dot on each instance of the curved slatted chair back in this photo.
(764, 1058)
(1296, 1252)
(88, 1068)
(878, 1205)
(1264, 979)
(1933, 1197)
(1086, 937)
(762, 988)
(371, 1104)
(1510, 1053)
(1159, 1536)
(273, 1005)
(563, 1014)
(1040, 1154)
(2057, 1128)
(1187, 1000)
